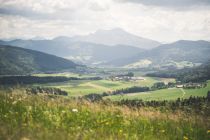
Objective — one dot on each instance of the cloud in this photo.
(51, 18)
(174, 4)
(24, 13)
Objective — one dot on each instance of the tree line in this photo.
(186, 75)
(197, 104)
(46, 90)
(14, 80)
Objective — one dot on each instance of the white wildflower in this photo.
(74, 110)
(14, 102)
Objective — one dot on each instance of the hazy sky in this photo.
(162, 20)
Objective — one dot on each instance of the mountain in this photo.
(178, 54)
(78, 51)
(18, 61)
(117, 36)
(94, 49)
(38, 38)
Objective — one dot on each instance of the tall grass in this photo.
(35, 117)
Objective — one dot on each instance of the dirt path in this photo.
(98, 87)
(183, 92)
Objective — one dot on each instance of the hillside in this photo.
(18, 61)
(178, 54)
(81, 52)
(197, 74)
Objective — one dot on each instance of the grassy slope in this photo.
(40, 117)
(164, 94)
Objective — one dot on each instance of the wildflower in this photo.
(63, 111)
(24, 138)
(120, 131)
(185, 138)
(29, 108)
(107, 123)
(74, 110)
(162, 131)
(208, 131)
(14, 102)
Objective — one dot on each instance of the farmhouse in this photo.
(179, 86)
(126, 78)
(191, 85)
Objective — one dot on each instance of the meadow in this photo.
(32, 117)
(163, 94)
(84, 87)
(77, 88)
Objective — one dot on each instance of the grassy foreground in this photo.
(42, 117)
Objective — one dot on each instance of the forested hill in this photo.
(19, 61)
(170, 54)
(197, 74)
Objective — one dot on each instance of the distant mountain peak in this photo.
(38, 38)
(117, 36)
(111, 30)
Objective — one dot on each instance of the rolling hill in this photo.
(19, 61)
(176, 55)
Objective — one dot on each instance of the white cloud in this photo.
(50, 18)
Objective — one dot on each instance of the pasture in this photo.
(163, 94)
(84, 87)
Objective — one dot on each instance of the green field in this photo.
(83, 87)
(164, 94)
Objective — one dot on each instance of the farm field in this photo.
(84, 87)
(163, 94)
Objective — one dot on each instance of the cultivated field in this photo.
(84, 87)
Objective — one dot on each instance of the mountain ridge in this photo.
(16, 60)
(182, 50)
(117, 36)
(84, 52)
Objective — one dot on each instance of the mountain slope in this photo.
(15, 60)
(170, 54)
(85, 52)
(117, 36)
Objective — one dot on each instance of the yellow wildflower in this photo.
(107, 123)
(185, 138)
(208, 131)
(162, 131)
